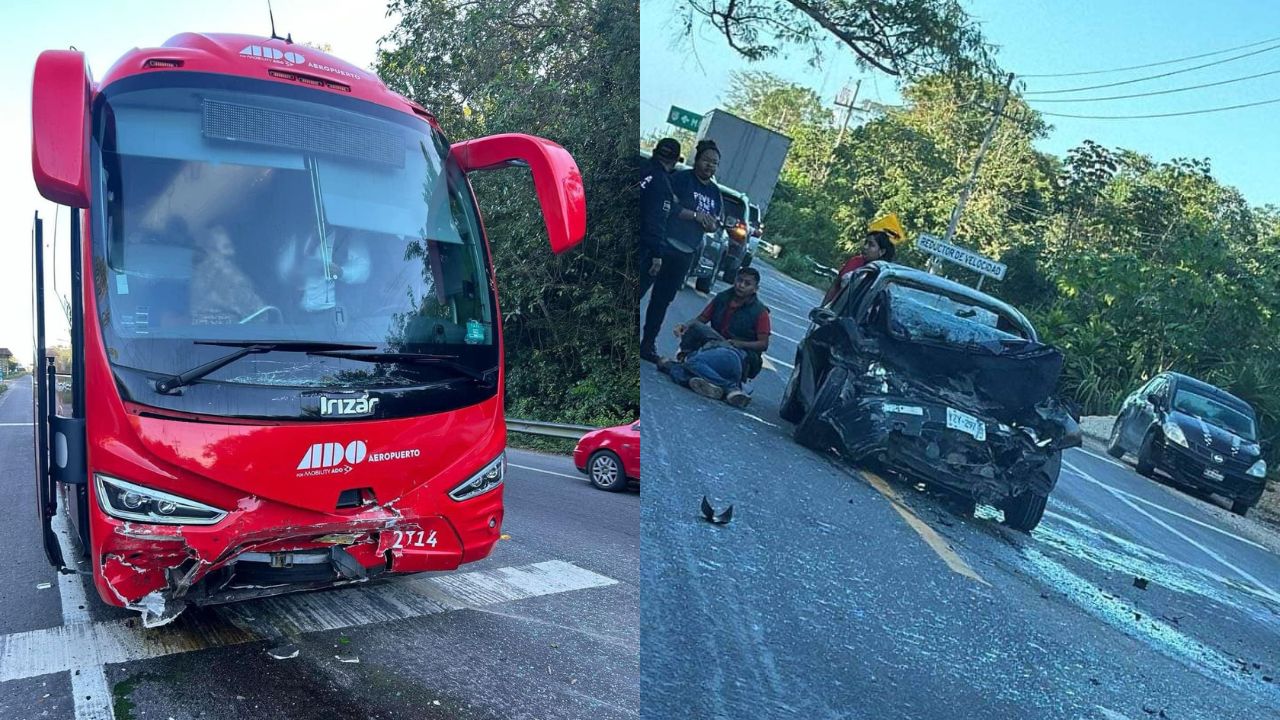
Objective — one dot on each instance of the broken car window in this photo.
(917, 314)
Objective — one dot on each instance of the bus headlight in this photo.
(1173, 434)
(482, 482)
(127, 501)
(1259, 469)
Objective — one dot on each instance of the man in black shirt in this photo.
(698, 210)
(657, 202)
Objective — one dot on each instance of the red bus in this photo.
(285, 336)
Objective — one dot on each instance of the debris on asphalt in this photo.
(1094, 681)
(347, 658)
(44, 586)
(1140, 583)
(711, 516)
(1044, 596)
(1137, 616)
(1266, 678)
(283, 652)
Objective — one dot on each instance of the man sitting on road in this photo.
(731, 350)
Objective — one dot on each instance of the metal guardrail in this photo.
(547, 429)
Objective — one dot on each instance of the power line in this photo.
(1154, 64)
(1153, 77)
(1162, 115)
(1158, 92)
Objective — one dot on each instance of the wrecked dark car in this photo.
(937, 381)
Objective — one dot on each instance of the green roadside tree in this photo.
(567, 70)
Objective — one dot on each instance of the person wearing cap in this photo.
(657, 202)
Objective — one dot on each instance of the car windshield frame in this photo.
(450, 246)
(1220, 412)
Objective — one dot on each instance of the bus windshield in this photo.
(236, 210)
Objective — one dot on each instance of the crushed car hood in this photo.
(1005, 382)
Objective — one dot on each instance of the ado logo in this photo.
(328, 455)
(272, 54)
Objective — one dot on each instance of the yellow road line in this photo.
(926, 533)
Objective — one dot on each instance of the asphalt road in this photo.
(834, 593)
(546, 627)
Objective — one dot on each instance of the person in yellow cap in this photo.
(878, 245)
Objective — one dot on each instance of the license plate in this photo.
(966, 423)
(1213, 474)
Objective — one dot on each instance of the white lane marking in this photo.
(1120, 614)
(802, 326)
(759, 419)
(1107, 458)
(549, 472)
(1120, 495)
(1132, 551)
(776, 361)
(775, 333)
(1158, 506)
(67, 648)
(26, 424)
(89, 691)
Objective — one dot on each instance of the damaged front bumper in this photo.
(976, 456)
(261, 550)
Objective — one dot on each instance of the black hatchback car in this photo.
(1195, 433)
(937, 381)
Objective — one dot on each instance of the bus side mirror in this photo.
(60, 127)
(555, 178)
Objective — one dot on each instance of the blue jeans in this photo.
(720, 366)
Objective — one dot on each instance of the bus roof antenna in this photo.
(274, 36)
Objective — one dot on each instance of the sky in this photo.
(1045, 37)
(104, 32)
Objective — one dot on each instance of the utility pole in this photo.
(977, 163)
(848, 111)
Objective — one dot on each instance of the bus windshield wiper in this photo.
(247, 347)
(485, 377)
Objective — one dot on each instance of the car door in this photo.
(629, 451)
(811, 357)
(1149, 407)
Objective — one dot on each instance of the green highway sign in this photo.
(687, 119)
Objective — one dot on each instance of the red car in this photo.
(610, 456)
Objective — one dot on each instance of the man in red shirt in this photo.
(741, 322)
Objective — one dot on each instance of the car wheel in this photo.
(1114, 449)
(1023, 512)
(811, 431)
(1145, 464)
(703, 284)
(1240, 507)
(605, 470)
(790, 408)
